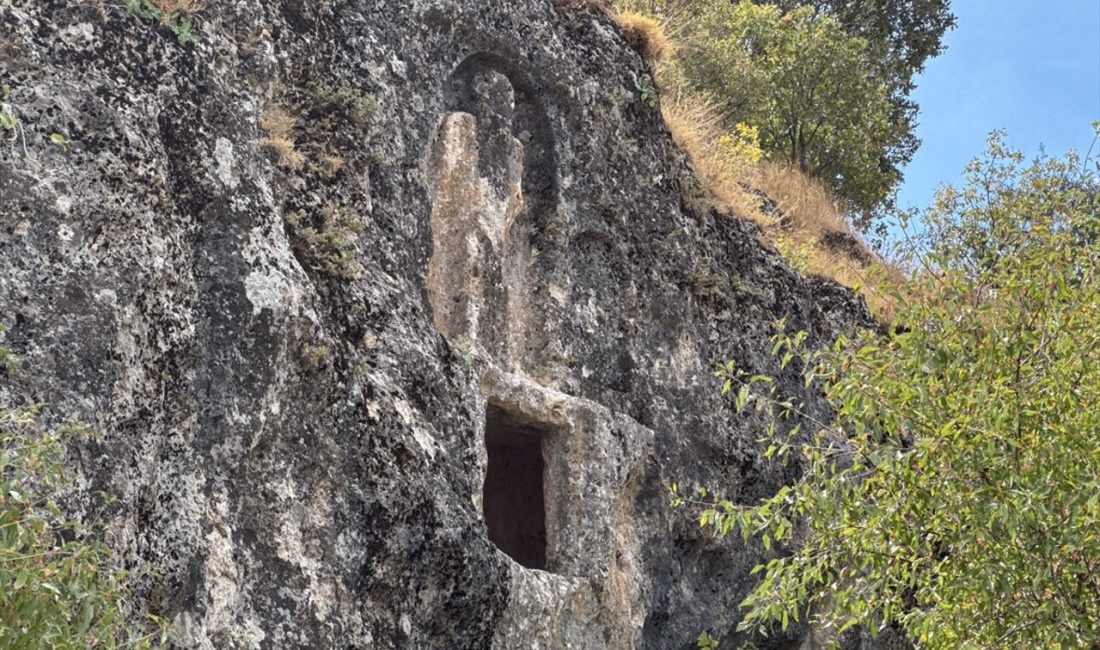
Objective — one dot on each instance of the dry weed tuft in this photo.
(331, 165)
(186, 7)
(647, 36)
(280, 130)
(806, 204)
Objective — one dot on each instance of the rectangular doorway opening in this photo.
(513, 497)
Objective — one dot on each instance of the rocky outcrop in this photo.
(296, 345)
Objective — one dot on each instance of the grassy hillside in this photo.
(798, 213)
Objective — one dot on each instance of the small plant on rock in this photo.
(8, 121)
(356, 108)
(176, 15)
(705, 281)
(647, 92)
(8, 361)
(327, 241)
(280, 126)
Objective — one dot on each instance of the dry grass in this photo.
(677, 19)
(280, 130)
(807, 205)
(186, 7)
(807, 225)
(330, 165)
(875, 278)
(646, 35)
(813, 234)
(696, 126)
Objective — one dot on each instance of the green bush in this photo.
(957, 492)
(176, 15)
(58, 587)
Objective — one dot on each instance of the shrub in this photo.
(812, 89)
(957, 493)
(176, 15)
(327, 240)
(58, 588)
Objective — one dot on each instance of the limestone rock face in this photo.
(302, 343)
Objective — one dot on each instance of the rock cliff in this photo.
(359, 293)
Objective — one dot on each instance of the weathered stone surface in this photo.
(290, 368)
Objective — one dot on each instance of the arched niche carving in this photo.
(493, 183)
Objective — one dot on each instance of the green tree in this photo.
(816, 92)
(58, 587)
(828, 80)
(957, 492)
(905, 33)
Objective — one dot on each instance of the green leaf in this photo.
(60, 140)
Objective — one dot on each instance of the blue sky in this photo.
(1030, 67)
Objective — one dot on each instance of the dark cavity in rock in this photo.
(515, 509)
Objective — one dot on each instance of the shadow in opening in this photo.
(515, 510)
